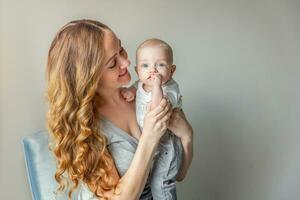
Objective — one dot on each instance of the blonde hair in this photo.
(75, 64)
(154, 42)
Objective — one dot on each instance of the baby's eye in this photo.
(145, 65)
(161, 64)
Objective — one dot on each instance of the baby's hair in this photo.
(154, 42)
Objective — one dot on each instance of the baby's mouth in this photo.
(151, 76)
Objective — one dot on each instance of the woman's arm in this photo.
(131, 185)
(179, 125)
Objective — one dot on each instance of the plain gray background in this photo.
(238, 67)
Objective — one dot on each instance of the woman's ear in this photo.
(173, 69)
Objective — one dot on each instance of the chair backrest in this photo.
(41, 167)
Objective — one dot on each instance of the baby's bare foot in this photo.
(157, 79)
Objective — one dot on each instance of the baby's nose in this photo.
(153, 68)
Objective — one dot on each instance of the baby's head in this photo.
(154, 56)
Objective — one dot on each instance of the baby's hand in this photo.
(128, 94)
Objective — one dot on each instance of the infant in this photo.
(154, 66)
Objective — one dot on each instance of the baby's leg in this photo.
(165, 169)
(157, 92)
(159, 175)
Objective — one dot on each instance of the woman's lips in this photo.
(125, 72)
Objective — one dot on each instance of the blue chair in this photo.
(40, 164)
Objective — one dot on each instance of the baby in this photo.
(154, 66)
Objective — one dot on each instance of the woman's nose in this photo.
(125, 62)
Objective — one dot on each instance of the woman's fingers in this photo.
(166, 118)
(162, 113)
(160, 108)
(166, 109)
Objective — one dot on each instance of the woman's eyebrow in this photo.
(110, 58)
(114, 54)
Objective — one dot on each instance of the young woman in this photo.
(100, 151)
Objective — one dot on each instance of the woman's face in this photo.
(115, 73)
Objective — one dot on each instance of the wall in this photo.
(238, 67)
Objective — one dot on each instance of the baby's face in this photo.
(152, 61)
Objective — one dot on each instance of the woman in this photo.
(99, 148)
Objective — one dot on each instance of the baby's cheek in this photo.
(168, 75)
(144, 76)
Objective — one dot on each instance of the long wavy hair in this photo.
(74, 68)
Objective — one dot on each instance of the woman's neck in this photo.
(111, 97)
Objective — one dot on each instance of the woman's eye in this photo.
(112, 65)
(145, 65)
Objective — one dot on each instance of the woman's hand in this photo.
(156, 121)
(179, 125)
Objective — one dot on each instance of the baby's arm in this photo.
(180, 126)
(157, 93)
